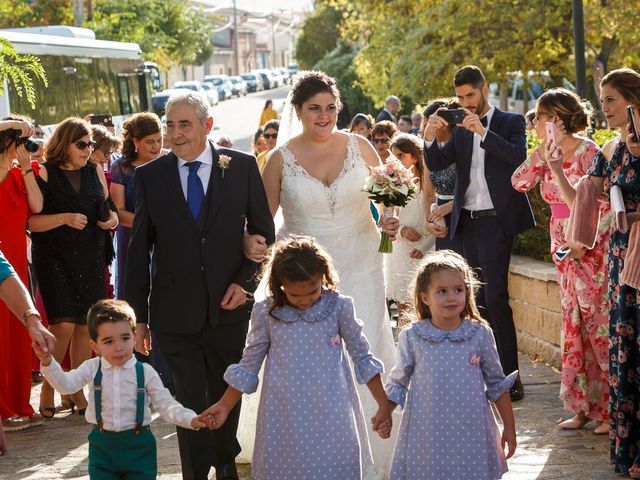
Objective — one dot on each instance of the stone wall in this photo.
(535, 301)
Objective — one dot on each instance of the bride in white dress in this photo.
(316, 178)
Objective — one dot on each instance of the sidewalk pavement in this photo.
(58, 449)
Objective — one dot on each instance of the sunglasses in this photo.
(270, 135)
(84, 145)
(381, 140)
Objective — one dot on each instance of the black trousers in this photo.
(487, 248)
(198, 362)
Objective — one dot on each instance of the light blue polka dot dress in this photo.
(310, 423)
(445, 380)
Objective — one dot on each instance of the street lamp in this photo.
(578, 42)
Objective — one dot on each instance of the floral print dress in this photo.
(624, 352)
(583, 288)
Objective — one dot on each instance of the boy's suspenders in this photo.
(97, 395)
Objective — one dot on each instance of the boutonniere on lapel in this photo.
(223, 163)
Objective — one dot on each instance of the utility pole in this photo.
(236, 53)
(273, 40)
(578, 41)
(78, 13)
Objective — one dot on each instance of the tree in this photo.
(319, 35)
(29, 13)
(21, 70)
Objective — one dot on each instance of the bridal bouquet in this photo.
(393, 185)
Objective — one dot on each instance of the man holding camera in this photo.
(487, 212)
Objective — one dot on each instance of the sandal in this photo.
(602, 428)
(47, 412)
(574, 423)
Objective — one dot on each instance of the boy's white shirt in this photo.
(119, 393)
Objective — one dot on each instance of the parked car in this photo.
(277, 74)
(292, 68)
(253, 81)
(159, 100)
(220, 82)
(239, 86)
(212, 93)
(267, 80)
(285, 75)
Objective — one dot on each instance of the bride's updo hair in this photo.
(575, 113)
(312, 82)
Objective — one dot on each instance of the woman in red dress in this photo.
(19, 197)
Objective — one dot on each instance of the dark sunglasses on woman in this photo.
(81, 145)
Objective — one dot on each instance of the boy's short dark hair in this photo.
(469, 75)
(109, 311)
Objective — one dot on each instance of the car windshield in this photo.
(248, 77)
(190, 87)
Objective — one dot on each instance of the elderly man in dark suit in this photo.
(391, 107)
(192, 207)
(487, 211)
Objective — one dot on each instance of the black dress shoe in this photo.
(517, 391)
(226, 472)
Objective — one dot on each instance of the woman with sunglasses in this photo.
(270, 135)
(71, 244)
(381, 136)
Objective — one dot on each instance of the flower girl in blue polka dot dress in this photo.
(447, 371)
(310, 423)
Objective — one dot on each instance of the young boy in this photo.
(120, 393)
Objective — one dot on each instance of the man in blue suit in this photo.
(488, 213)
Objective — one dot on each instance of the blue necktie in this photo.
(195, 191)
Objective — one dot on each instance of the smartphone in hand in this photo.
(552, 137)
(632, 122)
(453, 116)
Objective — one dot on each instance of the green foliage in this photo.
(600, 137)
(169, 31)
(339, 64)
(21, 70)
(29, 13)
(319, 35)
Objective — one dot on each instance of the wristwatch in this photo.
(32, 312)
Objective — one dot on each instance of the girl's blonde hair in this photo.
(441, 261)
(298, 259)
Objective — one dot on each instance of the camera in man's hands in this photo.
(30, 145)
(453, 116)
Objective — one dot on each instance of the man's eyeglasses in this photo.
(381, 140)
(81, 145)
(270, 135)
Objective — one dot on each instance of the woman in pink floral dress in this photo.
(582, 274)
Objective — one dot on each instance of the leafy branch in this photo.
(21, 70)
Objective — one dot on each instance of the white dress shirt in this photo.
(119, 393)
(204, 172)
(477, 196)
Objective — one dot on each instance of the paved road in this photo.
(239, 117)
(58, 449)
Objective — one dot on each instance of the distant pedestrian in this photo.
(121, 394)
(270, 135)
(362, 125)
(391, 107)
(268, 113)
(405, 124)
(309, 393)
(446, 375)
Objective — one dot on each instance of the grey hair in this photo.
(197, 101)
(392, 98)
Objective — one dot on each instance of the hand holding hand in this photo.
(75, 220)
(254, 247)
(441, 211)
(234, 297)
(410, 233)
(214, 416)
(435, 123)
(509, 438)
(43, 340)
(382, 422)
(197, 423)
(45, 357)
(142, 339)
(471, 122)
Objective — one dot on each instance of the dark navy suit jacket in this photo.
(505, 149)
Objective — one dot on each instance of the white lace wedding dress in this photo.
(338, 216)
